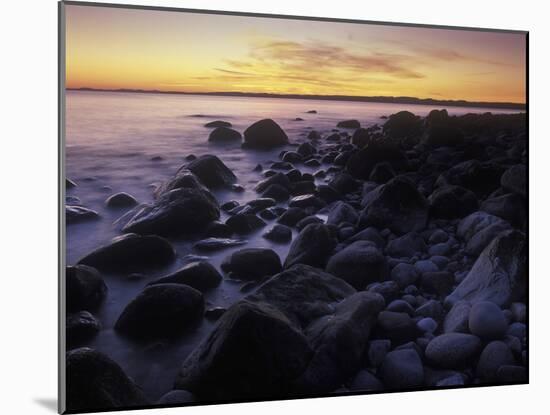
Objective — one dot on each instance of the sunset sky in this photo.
(115, 48)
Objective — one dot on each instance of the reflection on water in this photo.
(111, 141)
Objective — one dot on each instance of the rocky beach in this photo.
(353, 257)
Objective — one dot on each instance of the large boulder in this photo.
(200, 275)
(396, 205)
(224, 135)
(452, 202)
(362, 163)
(183, 179)
(510, 207)
(361, 137)
(179, 211)
(359, 264)
(499, 274)
(253, 353)
(131, 252)
(95, 383)
(161, 311)
(339, 341)
(265, 133)
(341, 212)
(84, 288)
(312, 246)
(211, 171)
(515, 180)
(481, 178)
(441, 130)
(252, 263)
(402, 125)
(479, 229)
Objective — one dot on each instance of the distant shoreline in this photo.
(346, 98)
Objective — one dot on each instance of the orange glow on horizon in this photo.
(114, 48)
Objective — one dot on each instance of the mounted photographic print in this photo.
(259, 207)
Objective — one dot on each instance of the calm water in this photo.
(111, 140)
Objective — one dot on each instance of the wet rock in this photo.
(453, 350)
(328, 193)
(218, 229)
(398, 327)
(515, 180)
(403, 124)
(306, 149)
(211, 171)
(69, 184)
(95, 382)
(277, 192)
(361, 137)
(81, 327)
(252, 263)
(407, 245)
(493, 356)
(224, 135)
(214, 313)
(312, 246)
(219, 367)
(341, 212)
(292, 216)
(452, 202)
(343, 183)
(396, 205)
(218, 124)
(362, 163)
(183, 179)
(131, 252)
(161, 311)
(487, 321)
(85, 288)
(307, 221)
(176, 397)
(278, 178)
(179, 211)
(121, 200)
(499, 273)
(402, 369)
(215, 244)
(291, 157)
(305, 201)
(303, 187)
(200, 275)
(404, 274)
(265, 134)
(244, 223)
(348, 124)
(358, 264)
(314, 135)
(77, 214)
(279, 233)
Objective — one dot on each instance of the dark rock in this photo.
(479, 229)
(76, 214)
(400, 306)
(179, 211)
(382, 173)
(431, 308)
(214, 313)
(348, 124)
(199, 275)
(402, 369)
(396, 205)
(69, 184)
(279, 178)
(519, 312)
(218, 229)
(290, 157)
(224, 135)
(252, 263)
(119, 200)
(408, 245)
(456, 320)
(183, 179)
(277, 192)
(306, 149)
(265, 133)
(220, 367)
(362, 163)
(314, 135)
(365, 381)
(341, 212)
(487, 321)
(176, 397)
(85, 289)
(217, 124)
(279, 233)
(425, 265)
(95, 382)
(214, 244)
(453, 350)
(292, 216)
(131, 252)
(312, 246)
(376, 351)
(387, 289)
(161, 311)
(343, 183)
(361, 137)
(81, 327)
(328, 193)
(440, 283)
(211, 171)
(499, 273)
(358, 264)
(403, 124)
(398, 327)
(305, 201)
(481, 178)
(243, 223)
(369, 234)
(303, 187)
(307, 221)
(510, 207)
(452, 202)
(427, 325)
(493, 356)
(515, 180)
(441, 130)
(511, 374)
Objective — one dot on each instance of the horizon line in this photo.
(346, 98)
